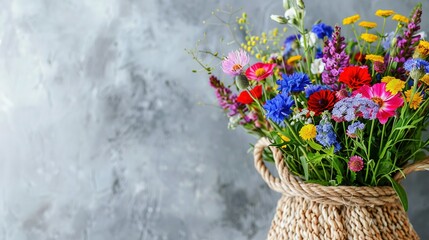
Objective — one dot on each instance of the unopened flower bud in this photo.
(286, 4)
(300, 4)
(241, 81)
(279, 19)
(417, 73)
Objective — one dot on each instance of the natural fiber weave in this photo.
(312, 211)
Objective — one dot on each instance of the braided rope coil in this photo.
(289, 185)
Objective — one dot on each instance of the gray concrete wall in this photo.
(102, 134)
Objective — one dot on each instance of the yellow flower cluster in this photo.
(308, 132)
(425, 79)
(395, 86)
(351, 19)
(368, 25)
(423, 48)
(293, 59)
(384, 13)
(374, 58)
(368, 37)
(414, 100)
(400, 18)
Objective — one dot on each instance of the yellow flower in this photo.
(308, 132)
(368, 25)
(387, 79)
(293, 59)
(425, 79)
(368, 37)
(384, 13)
(400, 18)
(395, 86)
(374, 58)
(351, 19)
(423, 48)
(416, 99)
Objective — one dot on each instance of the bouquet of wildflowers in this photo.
(343, 111)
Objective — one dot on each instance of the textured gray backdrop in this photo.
(102, 134)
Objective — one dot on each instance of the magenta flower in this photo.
(259, 71)
(387, 102)
(355, 163)
(235, 61)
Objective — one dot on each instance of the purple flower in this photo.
(295, 82)
(335, 59)
(322, 30)
(350, 108)
(310, 89)
(353, 128)
(279, 108)
(226, 99)
(355, 163)
(235, 61)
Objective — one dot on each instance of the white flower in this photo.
(311, 39)
(317, 66)
(233, 122)
(290, 13)
(279, 19)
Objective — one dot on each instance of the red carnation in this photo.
(245, 97)
(321, 101)
(355, 77)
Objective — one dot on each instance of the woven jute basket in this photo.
(312, 211)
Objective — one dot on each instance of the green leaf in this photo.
(304, 166)
(315, 145)
(316, 157)
(400, 191)
(404, 127)
(352, 176)
(384, 167)
(385, 149)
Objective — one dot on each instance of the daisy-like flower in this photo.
(368, 37)
(387, 79)
(374, 58)
(245, 97)
(384, 13)
(351, 19)
(395, 86)
(235, 61)
(368, 25)
(355, 163)
(320, 101)
(355, 76)
(292, 60)
(308, 132)
(279, 108)
(400, 18)
(414, 100)
(387, 102)
(423, 48)
(425, 79)
(260, 71)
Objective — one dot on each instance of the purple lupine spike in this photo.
(335, 59)
(227, 100)
(406, 44)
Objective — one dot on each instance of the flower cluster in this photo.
(343, 106)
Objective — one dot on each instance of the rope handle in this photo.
(415, 167)
(273, 182)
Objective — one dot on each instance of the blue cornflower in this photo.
(353, 128)
(319, 53)
(322, 30)
(296, 82)
(416, 64)
(387, 41)
(310, 89)
(279, 107)
(326, 135)
(349, 108)
(289, 43)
